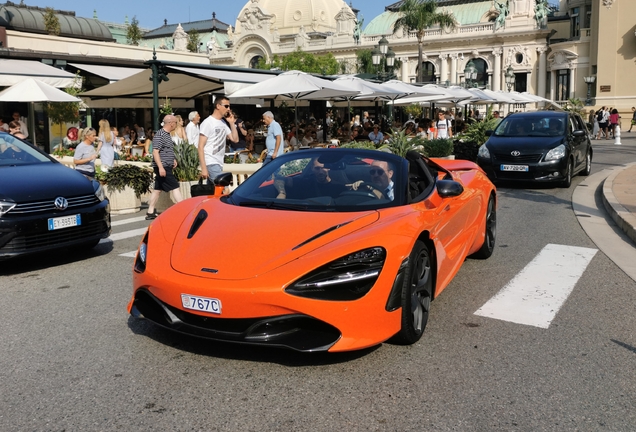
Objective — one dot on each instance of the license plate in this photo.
(64, 222)
(203, 304)
(514, 167)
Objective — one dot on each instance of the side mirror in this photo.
(449, 188)
(224, 179)
(578, 133)
(488, 132)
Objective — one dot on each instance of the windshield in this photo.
(14, 151)
(531, 126)
(325, 180)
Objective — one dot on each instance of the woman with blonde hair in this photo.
(179, 134)
(106, 146)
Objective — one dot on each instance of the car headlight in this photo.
(347, 278)
(6, 206)
(556, 153)
(140, 261)
(483, 152)
(99, 191)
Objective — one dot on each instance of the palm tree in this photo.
(419, 15)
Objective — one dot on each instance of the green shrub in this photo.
(120, 176)
(400, 144)
(440, 147)
(368, 145)
(187, 162)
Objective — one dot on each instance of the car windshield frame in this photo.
(524, 125)
(295, 181)
(14, 151)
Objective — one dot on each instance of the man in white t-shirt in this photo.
(443, 127)
(212, 136)
(192, 128)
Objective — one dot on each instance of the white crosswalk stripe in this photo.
(535, 295)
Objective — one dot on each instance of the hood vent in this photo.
(198, 221)
(327, 231)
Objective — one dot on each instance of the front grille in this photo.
(55, 238)
(36, 207)
(507, 157)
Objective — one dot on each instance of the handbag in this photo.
(201, 189)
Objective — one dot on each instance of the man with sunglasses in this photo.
(381, 173)
(213, 133)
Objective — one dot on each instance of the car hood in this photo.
(41, 181)
(236, 243)
(524, 144)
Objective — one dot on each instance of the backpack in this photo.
(599, 116)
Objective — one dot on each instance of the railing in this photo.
(489, 27)
(435, 32)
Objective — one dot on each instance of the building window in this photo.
(254, 61)
(563, 85)
(521, 82)
(575, 23)
(428, 72)
(588, 19)
(482, 75)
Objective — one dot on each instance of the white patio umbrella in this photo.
(367, 91)
(32, 90)
(295, 85)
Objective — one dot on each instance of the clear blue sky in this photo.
(151, 14)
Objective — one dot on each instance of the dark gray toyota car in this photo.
(541, 146)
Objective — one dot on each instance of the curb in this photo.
(619, 214)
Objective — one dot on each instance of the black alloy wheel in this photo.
(567, 182)
(490, 235)
(588, 164)
(416, 295)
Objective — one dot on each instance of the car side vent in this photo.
(198, 221)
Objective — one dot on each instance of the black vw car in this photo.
(45, 205)
(542, 146)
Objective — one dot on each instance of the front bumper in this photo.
(552, 171)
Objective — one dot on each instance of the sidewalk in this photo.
(619, 193)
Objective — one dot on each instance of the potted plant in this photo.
(125, 184)
(439, 148)
(400, 143)
(187, 170)
(468, 143)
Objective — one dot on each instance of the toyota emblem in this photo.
(61, 203)
(515, 152)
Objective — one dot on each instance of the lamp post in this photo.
(589, 80)
(470, 74)
(383, 51)
(510, 78)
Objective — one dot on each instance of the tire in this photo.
(490, 235)
(567, 182)
(588, 164)
(416, 295)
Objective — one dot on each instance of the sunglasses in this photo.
(226, 106)
(377, 172)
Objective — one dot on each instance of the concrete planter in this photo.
(123, 202)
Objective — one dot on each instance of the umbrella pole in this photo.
(31, 125)
(296, 118)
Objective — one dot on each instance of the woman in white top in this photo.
(179, 134)
(106, 147)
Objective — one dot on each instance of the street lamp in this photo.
(470, 74)
(383, 51)
(510, 78)
(589, 80)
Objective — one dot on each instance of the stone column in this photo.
(405, 68)
(543, 71)
(572, 83)
(496, 82)
(552, 85)
(453, 74)
(443, 76)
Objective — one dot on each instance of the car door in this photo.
(578, 142)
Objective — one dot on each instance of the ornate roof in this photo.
(203, 26)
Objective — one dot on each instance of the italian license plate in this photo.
(514, 168)
(64, 222)
(203, 304)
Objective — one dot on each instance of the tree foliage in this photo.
(51, 22)
(419, 15)
(65, 112)
(193, 41)
(133, 32)
(302, 61)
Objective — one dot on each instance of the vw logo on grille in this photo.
(515, 152)
(61, 203)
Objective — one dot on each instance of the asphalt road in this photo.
(72, 359)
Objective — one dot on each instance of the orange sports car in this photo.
(319, 250)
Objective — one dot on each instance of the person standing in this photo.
(179, 133)
(163, 162)
(242, 133)
(443, 126)
(614, 119)
(85, 154)
(212, 136)
(274, 139)
(633, 119)
(106, 147)
(192, 129)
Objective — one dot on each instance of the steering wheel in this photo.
(367, 190)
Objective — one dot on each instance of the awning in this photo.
(184, 82)
(14, 71)
(111, 73)
(134, 103)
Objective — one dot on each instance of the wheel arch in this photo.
(425, 237)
